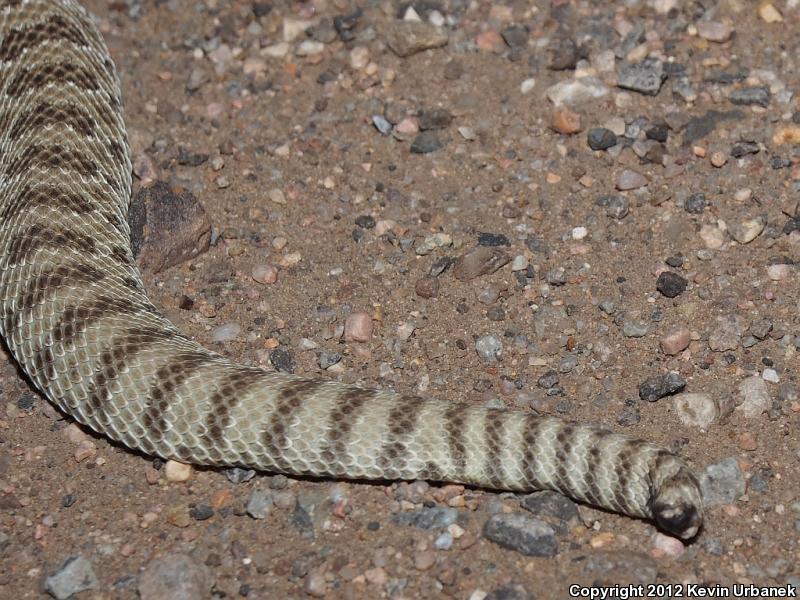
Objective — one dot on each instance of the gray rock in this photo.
(749, 96)
(481, 260)
(489, 348)
(238, 475)
(609, 567)
(259, 504)
(695, 204)
(175, 577)
(659, 386)
(436, 517)
(645, 77)
(381, 124)
(722, 483)
(328, 358)
(553, 504)
(726, 336)
(755, 397)
(521, 533)
(746, 230)
(635, 329)
(75, 575)
(630, 180)
(425, 143)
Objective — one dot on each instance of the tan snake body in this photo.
(75, 315)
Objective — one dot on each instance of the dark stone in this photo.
(658, 132)
(553, 504)
(521, 533)
(436, 517)
(700, 127)
(493, 239)
(516, 36)
(512, 591)
(751, 96)
(437, 118)
(201, 512)
(344, 24)
(564, 54)
(629, 416)
(26, 402)
(659, 386)
(440, 265)
(791, 225)
(671, 284)
(282, 360)
(777, 162)
(600, 138)
(496, 313)
(695, 204)
(616, 206)
(548, 380)
(741, 149)
(425, 142)
(365, 221)
(190, 159)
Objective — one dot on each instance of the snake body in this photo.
(75, 315)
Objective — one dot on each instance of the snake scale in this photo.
(75, 315)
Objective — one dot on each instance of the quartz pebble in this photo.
(747, 230)
(630, 180)
(755, 397)
(695, 409)
(177, 472)
(675, 341)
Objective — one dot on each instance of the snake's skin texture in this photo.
(75, 315)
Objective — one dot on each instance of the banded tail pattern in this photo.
(74, 315)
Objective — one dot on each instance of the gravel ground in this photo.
(578, 209)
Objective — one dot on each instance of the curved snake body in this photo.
(75, 315)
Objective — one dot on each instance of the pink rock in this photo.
(676, 341)
(490, 41)
(265, 274)
(358, 328)
(630, 180)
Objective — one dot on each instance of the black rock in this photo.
(750, 96)
(777, 162)
(695, 204)
(553, 504)
(493, 239)
(658, 386)
(512, 591)
(741, 149)
(365, 221)
(425, 142)
(674, 261)
(201, 512)
(658, 132)
(671, 284)
(282, 360)
(516, 36)
(600, 138)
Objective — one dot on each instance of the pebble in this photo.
(425, 143)
(490, 41)
(527, 85)
(406, 38)
(226, 333)
(671, 284)
(695, 204)
(726, 336)
(481, 260)
(630, 180)
(755, 397)
(600, 138)
(713, 237)
(750, 96)
(177, 472)
(427, 287)
(576, 91)
(779, 272)
(259, 504)
(696, 409)
(617, 207)
(645, 77)
(436, 517)
(175, 576)
(489, 348)
(714, 31)
(747, 230)
(675, 341)
(722, 482)
(512, 591)
(666, 545)
(444, 541)
(552, 504)
(635, 329)
(381, 124)
(566, 121)
(75, 575)
(266, 274)
(579, 233)
(424, 559)
(527, 535)
(660, 386)
(718, 159)
(769, 14)
(358, 327)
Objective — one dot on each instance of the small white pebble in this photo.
(578, 233)
(770, 375)
(527, 86)
(177, 472)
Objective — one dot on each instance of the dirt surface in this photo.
(270, 114)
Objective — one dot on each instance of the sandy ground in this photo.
(273, 130)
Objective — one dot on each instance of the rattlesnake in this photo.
(74, 313)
